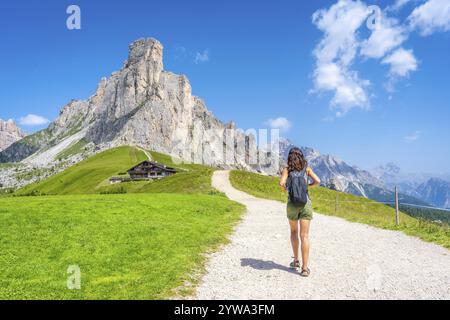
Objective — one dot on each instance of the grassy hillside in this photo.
(73, 150)
(190, 179)
(127, 246)
(141, 245)
(86, 176)
(91, 176)
(352, 208)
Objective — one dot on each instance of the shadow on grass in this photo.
(265, 265)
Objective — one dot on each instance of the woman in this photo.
(299, 216)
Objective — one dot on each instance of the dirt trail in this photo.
(348, 260)
(147, 154)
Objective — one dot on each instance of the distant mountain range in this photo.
(337, 174)
(431, 189)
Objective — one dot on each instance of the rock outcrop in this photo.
(144, 105)
(436, 191)
(9, 133)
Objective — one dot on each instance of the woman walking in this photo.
(295, 179)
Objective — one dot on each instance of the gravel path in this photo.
(348, 260)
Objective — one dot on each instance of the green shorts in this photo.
(299, 212)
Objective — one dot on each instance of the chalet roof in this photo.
(154, 164)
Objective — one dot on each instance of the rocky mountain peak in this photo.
(9, 133)
(142, 105)
(9, 126)
(146, 50)
(435, 191)
(388, 171)
(392, 168)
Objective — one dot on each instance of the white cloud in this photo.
(279, 123)
(387, 35)
(339, 24)
(336, 52)
(201, 57)
(341, 47)
(399, 4)
(412, 137)
(432, 16)
(348, 89)
(401, 62)
(33, 120)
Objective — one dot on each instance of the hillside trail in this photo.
(348, 260)
(147, 154)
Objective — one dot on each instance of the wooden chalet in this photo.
(150, 170)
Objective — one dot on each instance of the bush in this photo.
(216, 193)
(119, 190)
(34, 193)
(4, 191)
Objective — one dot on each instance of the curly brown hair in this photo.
(296, 160)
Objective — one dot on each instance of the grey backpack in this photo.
(297, 187)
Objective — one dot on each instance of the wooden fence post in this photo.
(336, 205)
(397, 220)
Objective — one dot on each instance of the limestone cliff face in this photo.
(9, 133)
(146, 106)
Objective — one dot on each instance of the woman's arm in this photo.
(314, 177)
(283, 178)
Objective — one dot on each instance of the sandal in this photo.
(305, 272)
(295, 264)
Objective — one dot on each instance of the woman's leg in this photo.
(304, 236)
(294, 237)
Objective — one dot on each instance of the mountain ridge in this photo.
(142, 105)
(338, 175)
(433, 189)
(9, 133)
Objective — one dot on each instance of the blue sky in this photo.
(252, 61)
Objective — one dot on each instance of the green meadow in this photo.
(134, 246)
(142, 240)
(91, 176)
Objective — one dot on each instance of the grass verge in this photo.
(139, 246)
